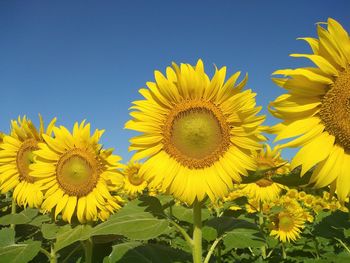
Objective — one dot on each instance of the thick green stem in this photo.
(88, 246)
(197, 232)
(284, 254)
(53, 258)
(261, 224)
(13, 210)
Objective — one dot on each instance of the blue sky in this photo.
(87, 59)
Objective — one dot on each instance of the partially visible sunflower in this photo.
(287, 224)
(77, 175)
(265, 189)
(197, 132)
(134, 182)
(317, 110)
(16, 154)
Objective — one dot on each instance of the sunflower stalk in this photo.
(13, 210)
(88, 247)
(261, 224)
(197, 232)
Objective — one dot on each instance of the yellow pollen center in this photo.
(134, 177)
(335, 110)
(24, 158)
(285, 222)
(196, 134)
(78, 172)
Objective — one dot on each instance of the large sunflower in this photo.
(197, 132)
(16, 154)
(317, 109)
(77, 175)
(265, 189)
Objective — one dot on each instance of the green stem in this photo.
(13, 210)
(211, 250)
(343, 244)
(53, 258)
(46, 253)
(183, 233)
(197, 232)
(71, 253)
(261, 224)
(88, 246)
(284, 254)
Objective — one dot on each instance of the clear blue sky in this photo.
(87, 59)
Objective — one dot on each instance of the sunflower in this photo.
(16, 154)
(197, 133)
(134, 183)
(317, 109)
(265, 189)
(77, 175)
(286, 225)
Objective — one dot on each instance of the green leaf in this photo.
(39, 220)
(16, 253)
(49, 231)
(7, 236)
(243, 238)
(292, 179)
(133, 222)
(23, 217)
(136, 252)
(226, 223)
(185, 214)
(67, 236)
(209, 233)
(333, 225)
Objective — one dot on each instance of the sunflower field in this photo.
(203, 184)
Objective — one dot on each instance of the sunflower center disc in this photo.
(134, 177)
(335, 110)
(285, 222)
(25, 157)
(196, 134)
(77, 172)
(264, 182)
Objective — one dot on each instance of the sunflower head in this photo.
(265, 189)
(16, 155)
(134, 182)
(196, 132)
(316, 110)
(77, 175)
(286, 225)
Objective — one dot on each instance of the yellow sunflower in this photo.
(317, 110)
(286, 225)
(265, 189)
(197, 132)
(134, 182)
(16, 154)
(77, 175)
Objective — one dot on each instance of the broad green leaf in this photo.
(292, 179)
(133, 222)
(7, 237)
(39, 220)
(67, 236)
(49, 231)
(225, 224)
(209, 233)
(333, 225)
(137, 252)
(242, 238)
(186, 214)
(16, 253)
(23, 217)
